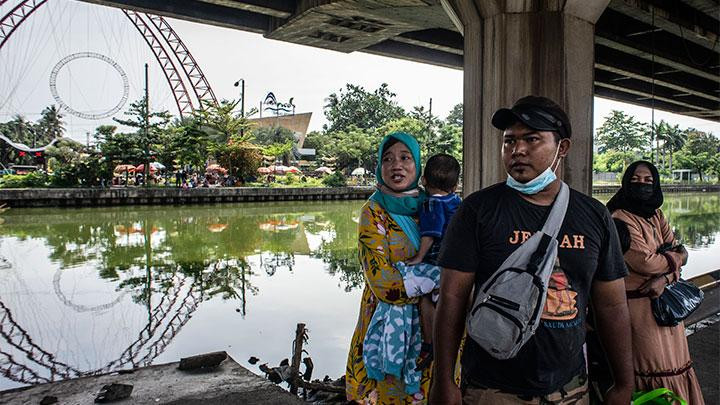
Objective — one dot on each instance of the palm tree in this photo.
(51, 124)
(675, 139)
(21, 130)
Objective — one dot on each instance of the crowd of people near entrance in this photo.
(182, 178)
(490, 300)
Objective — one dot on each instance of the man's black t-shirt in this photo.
(489, 225)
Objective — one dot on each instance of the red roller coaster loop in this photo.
(182, 97)
(15, 17)
(199, 82)
(167, 39)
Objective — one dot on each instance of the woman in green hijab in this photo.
(388, 234)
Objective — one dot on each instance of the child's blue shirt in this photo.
(435, 215)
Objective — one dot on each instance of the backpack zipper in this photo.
(504, 314)
(504, 302)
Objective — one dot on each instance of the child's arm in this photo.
(426, 243)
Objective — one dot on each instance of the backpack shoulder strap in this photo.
(557, 213)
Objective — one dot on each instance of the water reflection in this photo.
(695, 219)
(168, 261)
(94, 290)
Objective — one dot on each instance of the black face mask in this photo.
(641, 191)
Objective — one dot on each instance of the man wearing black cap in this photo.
(489, 225)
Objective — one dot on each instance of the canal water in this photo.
(99, 289)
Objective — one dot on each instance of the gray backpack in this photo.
(507, 308)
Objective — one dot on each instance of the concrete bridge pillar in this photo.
(515, 48)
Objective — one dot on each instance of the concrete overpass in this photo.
(655, 53)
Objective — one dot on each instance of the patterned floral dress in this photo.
(381, 243)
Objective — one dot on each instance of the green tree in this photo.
(118, 148)
(282, 151)
(315, 140)
(188, 143)
(714, 166)
(222, 122)
(360, 108)
(273, 135)
(673, 139)
(51, 125)
(455, 116)
(355, 147)
(700, 151)
(449, 140)
(65, 152)
(21, 130)
(611, 161)
(151, 128)
(622, 132)
(410, 125)
(241, 158)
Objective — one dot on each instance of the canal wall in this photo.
(92, 197)
(666, 188)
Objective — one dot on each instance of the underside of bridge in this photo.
(663, 54)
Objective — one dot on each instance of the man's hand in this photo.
(618, 395)
(445, 393)
(613, 326)
(413, 260)
(455, 288)
(654, 287)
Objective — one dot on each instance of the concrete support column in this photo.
(515, 48)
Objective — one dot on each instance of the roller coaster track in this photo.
(12, 20)
(182, 97)
(199, 82)
(159, 36)
(166, 314)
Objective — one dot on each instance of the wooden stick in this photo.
(297, 354)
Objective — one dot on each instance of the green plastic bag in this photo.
(660, 396)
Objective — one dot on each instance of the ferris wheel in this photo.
(88, 60)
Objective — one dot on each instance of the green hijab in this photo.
(394, 204)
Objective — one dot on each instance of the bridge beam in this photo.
(213, 14)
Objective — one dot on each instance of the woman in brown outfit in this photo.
(660, 353)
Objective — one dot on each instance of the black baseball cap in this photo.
(539, 113)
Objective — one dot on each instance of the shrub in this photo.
(336, 179)
(33, 179)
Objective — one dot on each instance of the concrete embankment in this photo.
(92, 197)
(667, 188)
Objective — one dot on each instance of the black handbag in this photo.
(677, 302)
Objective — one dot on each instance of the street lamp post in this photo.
(241, 83)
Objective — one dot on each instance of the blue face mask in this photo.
(537, 184)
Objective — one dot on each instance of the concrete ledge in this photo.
(667, 188)
(93, 197)
(229, 383)
(88, 197)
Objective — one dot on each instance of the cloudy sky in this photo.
(307, 74)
